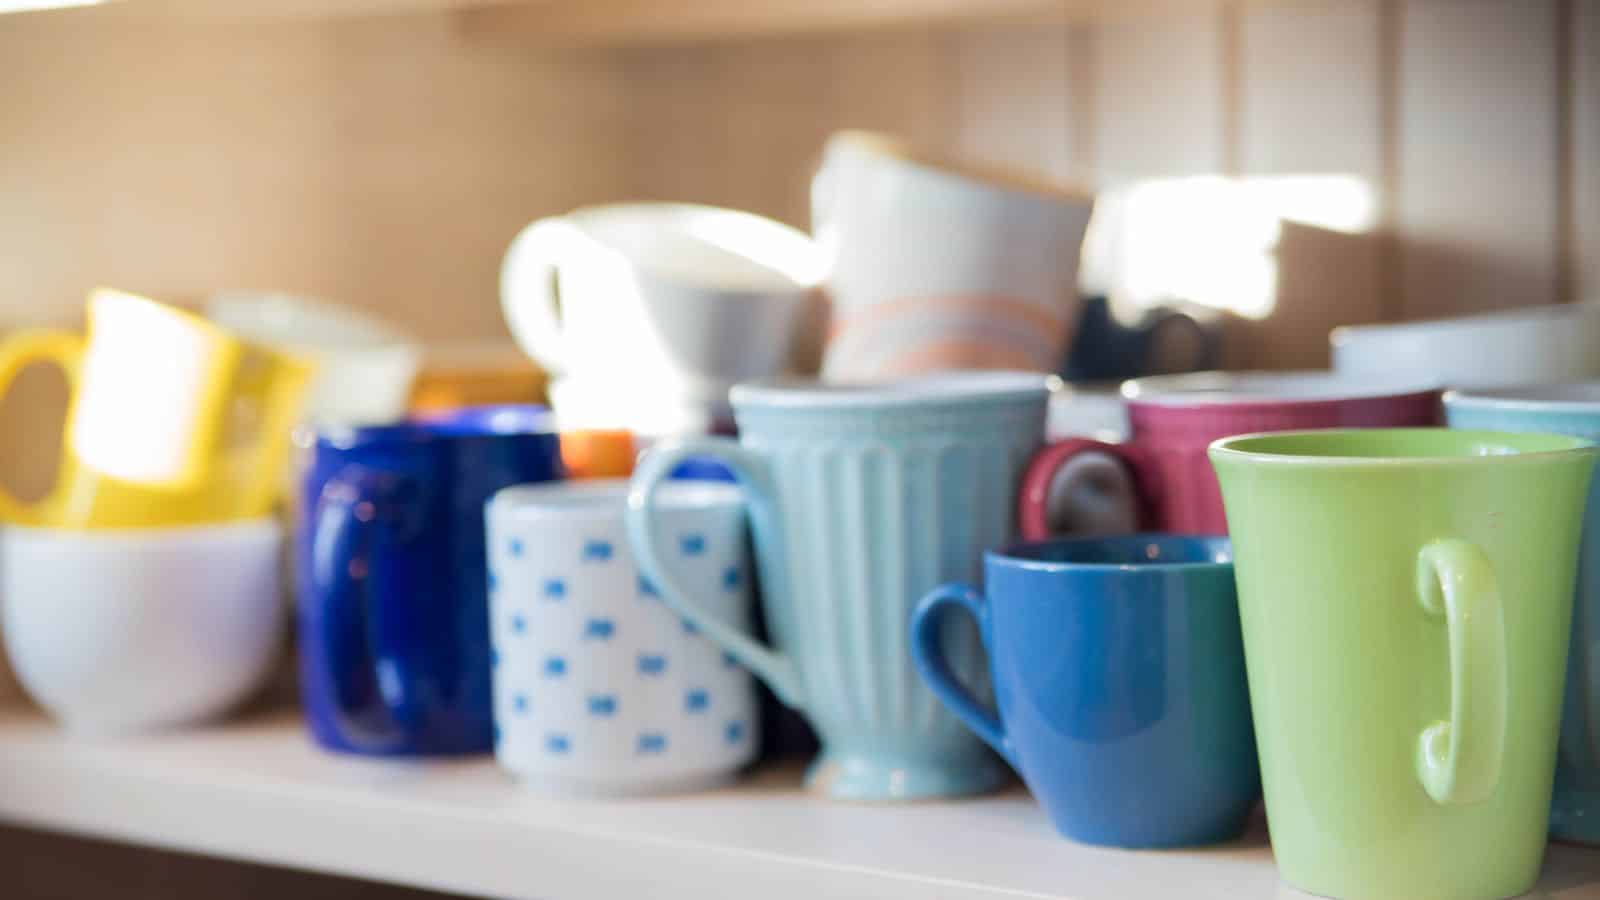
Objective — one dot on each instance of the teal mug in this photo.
(861, 499)
(1572, 409)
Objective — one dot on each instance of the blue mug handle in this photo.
(754, 477)
(350, 534)
(927, 652)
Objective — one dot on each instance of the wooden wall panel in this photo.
(1015, 100)
(1476, 202)
(1310, 107)
(1585, 152)
(899, 82)
(1158, 101)
(177, 159)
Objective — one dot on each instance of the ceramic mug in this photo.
(1119, 677)
(172, 421)
(1160, 478)
(1572, 409)
(365, 368)
(939, 265)
(862, 498)
(1406, 597)
(1533, 345)
(599, 687)
(392, 567)
(1163, 339)
(125, 631)
(659, 294)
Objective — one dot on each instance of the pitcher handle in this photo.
(529, 293)
(645, 536)
(19, 351)
(1459, 760)
(928, 654)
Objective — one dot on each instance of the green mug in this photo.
(1405, 596)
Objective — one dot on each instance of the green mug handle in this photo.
(1459, 760)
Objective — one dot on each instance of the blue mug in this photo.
(394, 617)
(1118, 670)
(1571, 409)
(861, 498)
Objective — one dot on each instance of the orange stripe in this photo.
(985, 305)
(956, 354)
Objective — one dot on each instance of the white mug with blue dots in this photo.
(599, 688)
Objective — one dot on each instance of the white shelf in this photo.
(257, 791)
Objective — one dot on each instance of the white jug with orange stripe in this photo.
(938, 265)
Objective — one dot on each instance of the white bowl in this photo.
(124, 631)
(1533, 345)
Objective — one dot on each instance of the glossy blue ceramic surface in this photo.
(393, 619)
(1575, 410)
(1118, 670)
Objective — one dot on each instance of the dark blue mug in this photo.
(394, 616)
(1118, 670)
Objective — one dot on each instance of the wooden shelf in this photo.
(256, 791)
(623, 22)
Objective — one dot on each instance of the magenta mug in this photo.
(1160, 478)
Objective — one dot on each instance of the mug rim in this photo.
(224, 531)
(793, 392)
(1012, 556)
(606, 498)
(803, 270)
(1255, 388)
(1563, 397)
(1012, 179)
(1460, 447)
(490, 420)
(1477, 325)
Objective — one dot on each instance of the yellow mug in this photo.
(172, 421)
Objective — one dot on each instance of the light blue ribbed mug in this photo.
(1572, 409)
(861, 499)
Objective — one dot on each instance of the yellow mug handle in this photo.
(20, 350)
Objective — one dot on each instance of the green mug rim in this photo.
(1455, 447)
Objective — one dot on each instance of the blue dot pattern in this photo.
(574, 713)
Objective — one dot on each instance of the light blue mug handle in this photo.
(928, 654)
(755, 479)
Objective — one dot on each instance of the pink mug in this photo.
(1161, 480)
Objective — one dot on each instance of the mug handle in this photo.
(928, 654)
(529, 295)
(646, 538)
(20, 350)
(1079, 460)
(348, 535)
(1459, 760)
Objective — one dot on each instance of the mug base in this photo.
(852, 776)
(1203, 834)
(566, 786)
(1575, 816)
